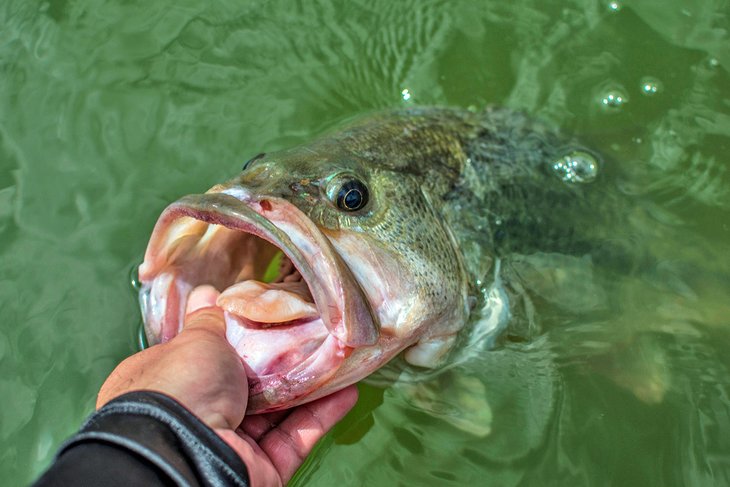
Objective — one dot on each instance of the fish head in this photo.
(369, 269)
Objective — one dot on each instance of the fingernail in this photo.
(203, 296)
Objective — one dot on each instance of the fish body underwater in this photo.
(392, 231)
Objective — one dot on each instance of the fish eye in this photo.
(352, 195)
(252, 160)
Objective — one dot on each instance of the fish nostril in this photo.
(301, 186)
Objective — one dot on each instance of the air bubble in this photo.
(614, 6)
(406, 94)
(134, 279)
(650, 86)
(576, 167)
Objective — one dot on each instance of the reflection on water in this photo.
(612, 369)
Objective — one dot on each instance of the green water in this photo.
(110, 110)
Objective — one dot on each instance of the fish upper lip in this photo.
(341, 304)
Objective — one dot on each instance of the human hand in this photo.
(201, 370)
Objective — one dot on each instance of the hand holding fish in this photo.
(201, 370)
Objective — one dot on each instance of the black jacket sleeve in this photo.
(145, 438)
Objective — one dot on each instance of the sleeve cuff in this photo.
(159, 429)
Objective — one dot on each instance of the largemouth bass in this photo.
(385, 233)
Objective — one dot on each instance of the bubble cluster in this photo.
(405, 94)
(650, 86)
(576, 166)
(614, 98)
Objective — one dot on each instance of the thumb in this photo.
(201, 311)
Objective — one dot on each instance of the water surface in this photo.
(110, 110)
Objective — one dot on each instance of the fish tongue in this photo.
(279, 302)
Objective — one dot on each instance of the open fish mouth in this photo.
(294, 327)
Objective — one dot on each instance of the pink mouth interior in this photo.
(274, 326)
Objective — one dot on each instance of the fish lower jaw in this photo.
(296, 383)
(284, 362)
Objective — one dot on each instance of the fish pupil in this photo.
(352, 196)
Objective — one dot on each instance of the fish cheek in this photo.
(407, 263)
(436, 266)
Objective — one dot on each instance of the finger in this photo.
(202, 313)
(203, 296)
(289, 443)
(209, 319)
(260, 469)
(257, 425)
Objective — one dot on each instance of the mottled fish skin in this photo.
(483, 177)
